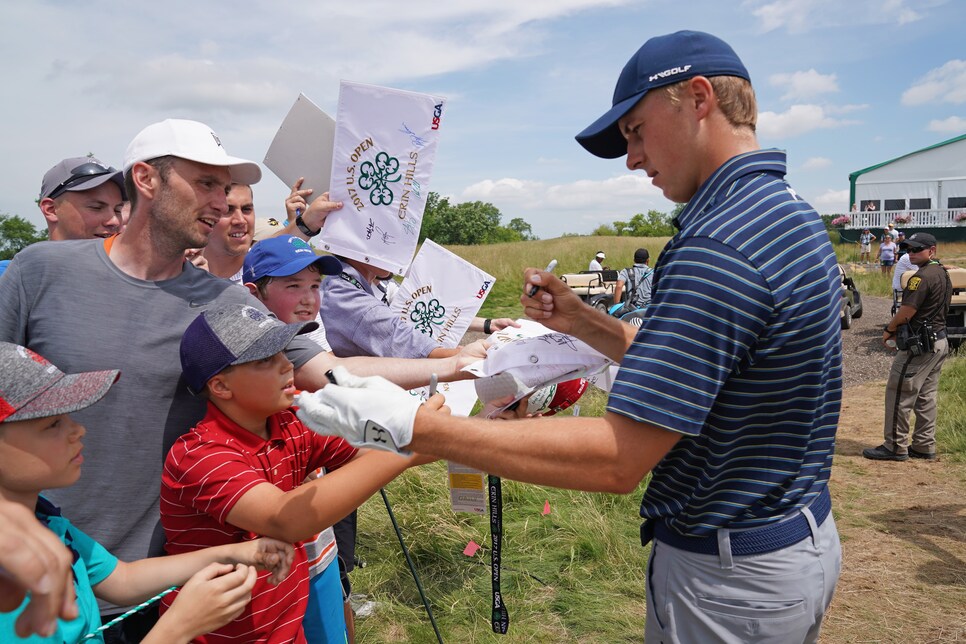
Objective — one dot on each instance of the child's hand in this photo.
(273, 555)
(471, 353)
(214, 596)
(318, 210)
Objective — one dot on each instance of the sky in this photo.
(841, 86)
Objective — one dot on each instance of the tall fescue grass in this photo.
(576, 574)
(951, 422)
(506, 262)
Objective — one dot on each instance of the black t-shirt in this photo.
(929, 292)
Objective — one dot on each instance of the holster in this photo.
(909, 340)
(927, 337)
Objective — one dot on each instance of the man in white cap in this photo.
(81, 198)
(139, 295)
(595, 263)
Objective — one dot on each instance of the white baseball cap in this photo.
(189, 140)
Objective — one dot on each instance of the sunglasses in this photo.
(80, 174)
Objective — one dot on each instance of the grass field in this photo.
(507, 261)
(573, 575)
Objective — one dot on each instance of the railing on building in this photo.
(942, 218)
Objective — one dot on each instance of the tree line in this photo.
(16, 233)
(469, 223)
(464, 224)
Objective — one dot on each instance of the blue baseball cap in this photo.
(232, 334)
(662, 60)
(285, 255)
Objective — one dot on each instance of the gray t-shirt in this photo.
(68, 302)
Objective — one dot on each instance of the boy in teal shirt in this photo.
(40, 448)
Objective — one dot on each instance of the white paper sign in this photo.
(385, 147)
(441, 294)
(302, 147)
(467, 488)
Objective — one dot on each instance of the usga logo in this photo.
(437, 112)
(669, 72)
(486, 285)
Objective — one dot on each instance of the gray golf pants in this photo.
(778, 597)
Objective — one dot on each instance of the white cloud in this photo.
(831, 201)
(796, 120)
(951, 125)
(579, 206)
(945, 84)
(799, 16)
(846, 109)
(178, 83)
(804, 85)
(816, 163)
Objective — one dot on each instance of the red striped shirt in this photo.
(207, 471)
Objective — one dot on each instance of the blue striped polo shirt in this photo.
(740, 353)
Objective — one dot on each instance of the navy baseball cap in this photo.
(917, 242)
(285, 255)
(31, 387)
(662, 60)
(232, 334)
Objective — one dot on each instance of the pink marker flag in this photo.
(546, 508)
(471, 548)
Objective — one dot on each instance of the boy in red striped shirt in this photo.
(239, 472)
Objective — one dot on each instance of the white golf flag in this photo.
(385, 146)
(441, 294)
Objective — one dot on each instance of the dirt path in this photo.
(903, 530)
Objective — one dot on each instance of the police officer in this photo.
(914, 377)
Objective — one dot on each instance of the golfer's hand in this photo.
(367, 412)
(554, 304)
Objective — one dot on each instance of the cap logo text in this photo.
(668, 72)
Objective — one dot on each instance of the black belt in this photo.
(751, 541)
(941, 335)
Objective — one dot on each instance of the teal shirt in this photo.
(92, 565)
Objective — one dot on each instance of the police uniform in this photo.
(914, 379)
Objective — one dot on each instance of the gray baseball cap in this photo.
(77, 174)
(232, 334)
(31, 387)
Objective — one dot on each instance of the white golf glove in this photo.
(366, 412)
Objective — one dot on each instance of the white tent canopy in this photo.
(933, 178)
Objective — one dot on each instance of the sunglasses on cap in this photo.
(80, 174)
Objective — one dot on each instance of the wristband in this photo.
(308, 232)
(486, 326)
(889, 331)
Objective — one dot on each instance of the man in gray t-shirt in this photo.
(123, 303)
